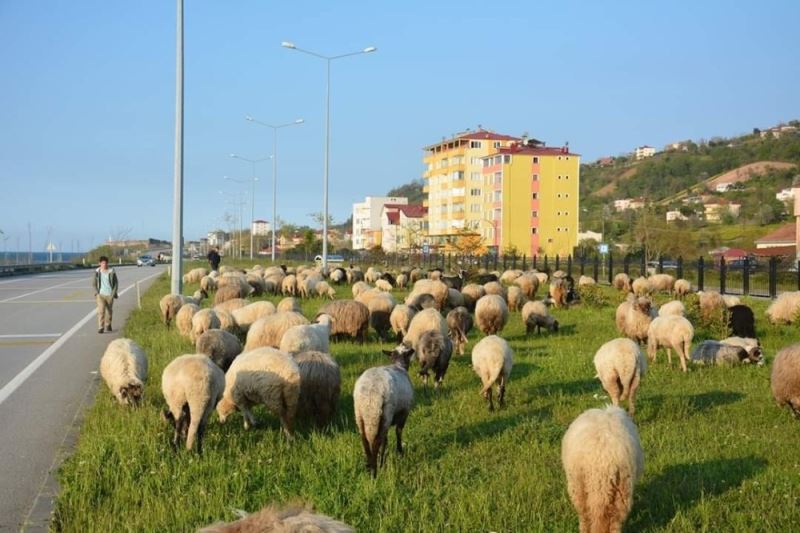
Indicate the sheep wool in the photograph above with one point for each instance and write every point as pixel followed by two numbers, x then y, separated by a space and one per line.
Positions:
pixel 662 282
pixel 219 345
pixel 400 319
pixel 633 318
pixel 434 353
pixel 169 305
pixel 670 332
pixel 785 378
pixel 491 314
pixel 325 291
pixel 247 315
pixel 492 360
pixel 682 287
pixel 620 367
pixel 622 282
pixel 289 304
pixel 425 320
pixel 529 284
pixel 320 386
pixel 202 321
pixel 231 305
pixel 269 330
pixel 304 338
pixel 124 369
pixel 750 344
pixel 380 311
pixel 516 299
pixel 785 309
pixel 641 287
pixel 472 292
pixel 349 319
pixel 183 319
pixel 292 519
pixel 459 324
pixel 675 308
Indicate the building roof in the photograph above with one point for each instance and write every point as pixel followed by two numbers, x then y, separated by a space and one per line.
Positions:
pixel 776 251
pixel 786 233
pixel 260 222
pixel 409 210
pixel 479 134
pixel 534 150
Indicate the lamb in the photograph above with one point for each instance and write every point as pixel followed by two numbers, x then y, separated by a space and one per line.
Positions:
pixel 380 311
pixel 491 314
pixel 714 352
pixel 247 315
pixel 682 287
pixel 558 292
pixel 268 331
pixel 202 321
pixel 289 285
pixel 536 315
pixel 529 284
pixel 320 385
pixel 675 308
pixel 124 369
pixel 585 281
pixel 742 321
pixel 603 460
pixel 192 385
pixel 311 337
pixel 349 318
pixel 221 346
pixel 289 304
pixel 183 319
pixel 711 305
pixel 325 291
pixel 516 299
pixel 383 285
pixel 459 324
pixel 291 519
pixel 785 378
pixel 633 318
pixel 231 305
pixel 622 282
pixel 492 360
pixel 751 345
pixel 670 332
pixel 400 318
pixel 662 282
pixel 785 309
pixel 434 354
pixel 208 284
pixel 425 320
pixel 359 287
pixel 382 397
pixel 620 366
pixel 262 376
pixel 472 292
pixel 641 287
pixel 169 305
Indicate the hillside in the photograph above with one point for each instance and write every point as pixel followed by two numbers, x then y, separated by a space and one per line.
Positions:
pixel 411 190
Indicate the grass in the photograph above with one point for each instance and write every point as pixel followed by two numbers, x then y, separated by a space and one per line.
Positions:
pixel 719 455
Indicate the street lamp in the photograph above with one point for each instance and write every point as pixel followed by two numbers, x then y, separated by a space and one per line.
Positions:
pixel 328 60
pixel 275 129
pixel 254 179
pixel 239 204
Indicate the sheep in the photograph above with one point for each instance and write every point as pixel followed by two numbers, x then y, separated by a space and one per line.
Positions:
pixel 459 324
pixel 320 385
pixel 731 300
pixel 558 292
pixel 435 274
pixel 536 315
pixel 662 282
pixel 247 315
pixel 365 296
pixel 196 298
pixel 785 378
pixel 425 320
pixel 492 360
pixel 208 284
pixel 529 284
pixel 308 286
pixel 226 292
pixel 192 385
pixel 454 299
pixel 399 319
pixel 603 460
pixel 124 369
pixel 711 305
pixel 202 321
pixel 633 318
pixel 226 321
pixel 293 518
pixel 221 346
pixel 620 366
pixel 542 277
pixel 516 299
pixel 785 309
pixel 257 283
pixel 231 305
pixel 641 286
pixel 183 319
pixel 289 285
pixel 169 305
pixel 289 304
pixel 675 308
pixel 415 275
pixel 585 281
pixel 742 321
pixel 401 281
pixel 714 352
pixel 304 338
pixel 382 397
pixel 670 332
pixel 372 275
pixel 194 275
pixel 682 287
pixel 262 376
pixel 509 276
pixel 354 275
pixel 359 287
pixel 472 292
pixel 237 281
pixel 494 287
pixel 269 330
pixel 421 301
pixel 380 311
pixel 491 314
pixel 434 353
pixel 349 318
pixel 435 288
pixel 338 276
pixel 559 274
pixel 750 344
pixel 325 291
pixel 622 282
pixel 383 285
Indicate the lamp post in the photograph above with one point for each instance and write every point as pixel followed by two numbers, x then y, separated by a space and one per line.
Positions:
pixel 254 179
pixel 176 284
pixel 328 60
pixel 239 205
pixel 275 129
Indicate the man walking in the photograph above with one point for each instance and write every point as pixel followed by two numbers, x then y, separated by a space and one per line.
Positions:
pixel 105 291
pixel 213 258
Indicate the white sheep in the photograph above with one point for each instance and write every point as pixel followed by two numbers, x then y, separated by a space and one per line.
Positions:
pixel 289 304
pixel 400 319
pixel 292 519
pixel 324 290
pixel 183 319
pixel 202 321
pixel 682 287
pixel 169 305
pixel 662 282
pixel 670 332
pixel 380 312
pixel 515 298
pixel 785 378
pixel 620 367
pixel 622 282
pixel 785 309
pixel 305 338
pixel 603 460
pixel 491 314
pixel 675 308
pixel 289 285
pixel 192 385
pixel 269 330
pixel 383 285
pixel 633 318
pixel 221 346
pixel 641 287
pixel 247 315
pixel 124 369
pixel 492 360
pixel 585 281
pixel 232 305
pixel 425 320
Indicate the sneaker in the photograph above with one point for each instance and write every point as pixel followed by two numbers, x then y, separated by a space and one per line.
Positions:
pixel 108 329
pixel 101 330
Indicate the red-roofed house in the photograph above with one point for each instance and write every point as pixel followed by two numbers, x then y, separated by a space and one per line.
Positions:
pixel 786 235
pixel 403 226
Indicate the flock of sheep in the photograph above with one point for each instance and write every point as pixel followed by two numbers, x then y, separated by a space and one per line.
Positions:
pixel 252 353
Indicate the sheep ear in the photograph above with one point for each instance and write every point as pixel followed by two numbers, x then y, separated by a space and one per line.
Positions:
pixel 388 353
pixel 123 392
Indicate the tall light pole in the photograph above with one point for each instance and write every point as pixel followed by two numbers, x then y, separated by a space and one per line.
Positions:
pixel 328 60
pixel 253 200
pixel 275 129
pixel 177 207
pixel 238 204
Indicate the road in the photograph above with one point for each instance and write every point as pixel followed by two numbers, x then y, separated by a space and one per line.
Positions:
pixel 49 355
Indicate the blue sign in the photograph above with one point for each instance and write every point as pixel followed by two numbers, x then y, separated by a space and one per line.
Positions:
pixel 603 249
pixel 426 248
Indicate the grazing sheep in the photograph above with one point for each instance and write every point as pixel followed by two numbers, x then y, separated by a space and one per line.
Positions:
pixel 558 291
pixel 289 285
pixel 682 287
pixel 262 376
pixel 730 300
pixel 289 304
pixel 622 282
pixel 354 275
pixel 247 315
pixel 459 324
pixel 662 282
pixel 169 305
pixel 124 369
pixel 226 292
pixel 509 276
pixel 380 312
pixel 308 286
pixel 320 385
pixel 750 344
pixel 306 338
pixel 494 287
pixel 365 296
pixel 492 359
pixel 711 305
pixel 435 288
pixel 516 299
pixel 585 281
pixel 633 318
pixel 425 320
pixel 325 291
pixel 603 460
pixel 670 332
pixel 226 321
pixel 269 330
pixel 383 285
pixel 714 352
pixel 536 315
pixel 183 319
pixel 491 314
pixel 400 319
pixel 529 284
pixel 208 284
pixel 472 292
pixel 415 275
pixel 641 287
pixel 290 519
pixel 742 321
pixel 192 385
pixel 675 308
pixel 785 309
pixel 401 281
pixel 338 276
pixel 421 301
pixel 257 283
pixel 542 277
pixel 620 366
pixel 194 275
pixel 372 275
pixel 349 319
pixel 785 379
pixel 434 354
pixel 359 287
pixel 202 321
pixel 221 346
pixel 454 299
pixel 231 305
pixel 382 398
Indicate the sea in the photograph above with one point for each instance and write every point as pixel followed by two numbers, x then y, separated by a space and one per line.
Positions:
pixel 23 258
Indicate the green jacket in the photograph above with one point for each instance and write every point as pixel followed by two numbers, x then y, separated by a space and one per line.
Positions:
pixel 112 277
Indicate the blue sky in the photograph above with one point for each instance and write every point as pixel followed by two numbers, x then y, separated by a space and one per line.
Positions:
pixel 88 91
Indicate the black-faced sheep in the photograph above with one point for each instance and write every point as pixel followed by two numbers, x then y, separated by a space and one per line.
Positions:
pixel 221 346
pixel 620 367
pixel 269 330
pixel 434 351
pixel 603 460
pixel 124 369
pixel 382 397
pixel 742 321
pixel 425 320
pixel 535 315
pixel 785 379
pixel 492 360
pixel 670 332
pixel 320 385
pixel 349 319
pixel 491 314
pixel 291 519
pixel 459 324
pixel 472 292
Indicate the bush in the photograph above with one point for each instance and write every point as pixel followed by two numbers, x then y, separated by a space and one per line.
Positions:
pixel 594 296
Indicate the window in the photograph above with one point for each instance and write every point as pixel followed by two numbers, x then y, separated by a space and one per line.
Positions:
pixel 497 214
pixel 443 163
pixel 533 231
pixel 496 144
pixel 559 158
pixel 506 159
pixel 558 213
pixel 475 208
pixel 535 195
pixel 559 195
pixel 535 177
pixel 498 196
pixel 474 192
pixel 498 178
pixel 534 214
pixel 559 176
pixel 474 160
pixel 474 144
pixel 549 240
pixel 567 176
pixel 475 176
pixel 566 195
pixel 566 213
pixel 535 160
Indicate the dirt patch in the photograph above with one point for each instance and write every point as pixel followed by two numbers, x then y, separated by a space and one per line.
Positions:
pixel 611 186
pixel 745 172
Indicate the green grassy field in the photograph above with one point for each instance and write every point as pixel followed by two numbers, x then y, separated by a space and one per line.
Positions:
pixel 719 455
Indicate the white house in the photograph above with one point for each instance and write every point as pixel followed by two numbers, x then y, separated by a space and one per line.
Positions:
pixel 724 186
pixel 403 226
pixel 642 152
pixel 785 195
pixel 593 235
pixel 216 238
pixel 261 227
pixel 628 203
pixel 675 215
pixel 367 220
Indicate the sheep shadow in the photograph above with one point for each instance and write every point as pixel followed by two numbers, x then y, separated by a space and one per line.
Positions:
pixel 679 487
pixel 522 370
pixel 567 388
pixel 662 405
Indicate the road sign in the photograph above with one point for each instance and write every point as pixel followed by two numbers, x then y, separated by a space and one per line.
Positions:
pixel 604 249
pixel 426 248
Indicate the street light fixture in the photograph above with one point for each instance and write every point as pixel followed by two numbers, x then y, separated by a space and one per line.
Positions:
pixel 254 179
pixel 275 129
pixel 328 59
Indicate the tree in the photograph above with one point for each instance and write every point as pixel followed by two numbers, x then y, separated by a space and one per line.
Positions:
pixel 468 242
pixel 318 218
pixel 309 240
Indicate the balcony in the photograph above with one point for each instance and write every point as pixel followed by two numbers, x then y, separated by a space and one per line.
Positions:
pixel 426 189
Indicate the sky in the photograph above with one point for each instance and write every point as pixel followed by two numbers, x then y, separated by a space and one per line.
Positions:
pixel 87 98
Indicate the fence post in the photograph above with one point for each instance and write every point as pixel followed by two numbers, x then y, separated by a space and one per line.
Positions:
pixel 798 275
pixel 643 267
pixel 583 266
pixel 660 264
pixel 450 262
pixel 546 268
pixel 495 261
pixel 773 277
pixel 723 274
pixel 536 257
pixel 626 264
pixel 679 270
pixel 746 277
pixel 596 269
pixel 524 263
pixel 610 268
pixel 138 295
pixel 558 262
pixel 569 265
pixel 514 261
pixel 700 274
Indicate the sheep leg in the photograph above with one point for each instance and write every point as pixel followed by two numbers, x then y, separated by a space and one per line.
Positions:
pixel 383 440
pixel 669 356
pixel 501 391
pixel 684 354
pixel 632 393
pixel 615 391
pixel 401 422
pixel 487 393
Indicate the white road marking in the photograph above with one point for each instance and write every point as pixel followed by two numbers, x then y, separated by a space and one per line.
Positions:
pixel 39 291
pixel 26 372
pixel 50 302
pixel 30 335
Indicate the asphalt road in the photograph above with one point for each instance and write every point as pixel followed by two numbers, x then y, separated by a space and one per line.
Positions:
pixel 49 356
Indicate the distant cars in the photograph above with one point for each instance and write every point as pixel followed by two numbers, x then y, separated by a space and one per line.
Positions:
pixel 145 260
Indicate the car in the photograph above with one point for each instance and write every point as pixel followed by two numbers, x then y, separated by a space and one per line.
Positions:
pixel 145 260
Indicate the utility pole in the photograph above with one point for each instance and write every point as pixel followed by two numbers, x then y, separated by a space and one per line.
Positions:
pixel 177 208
